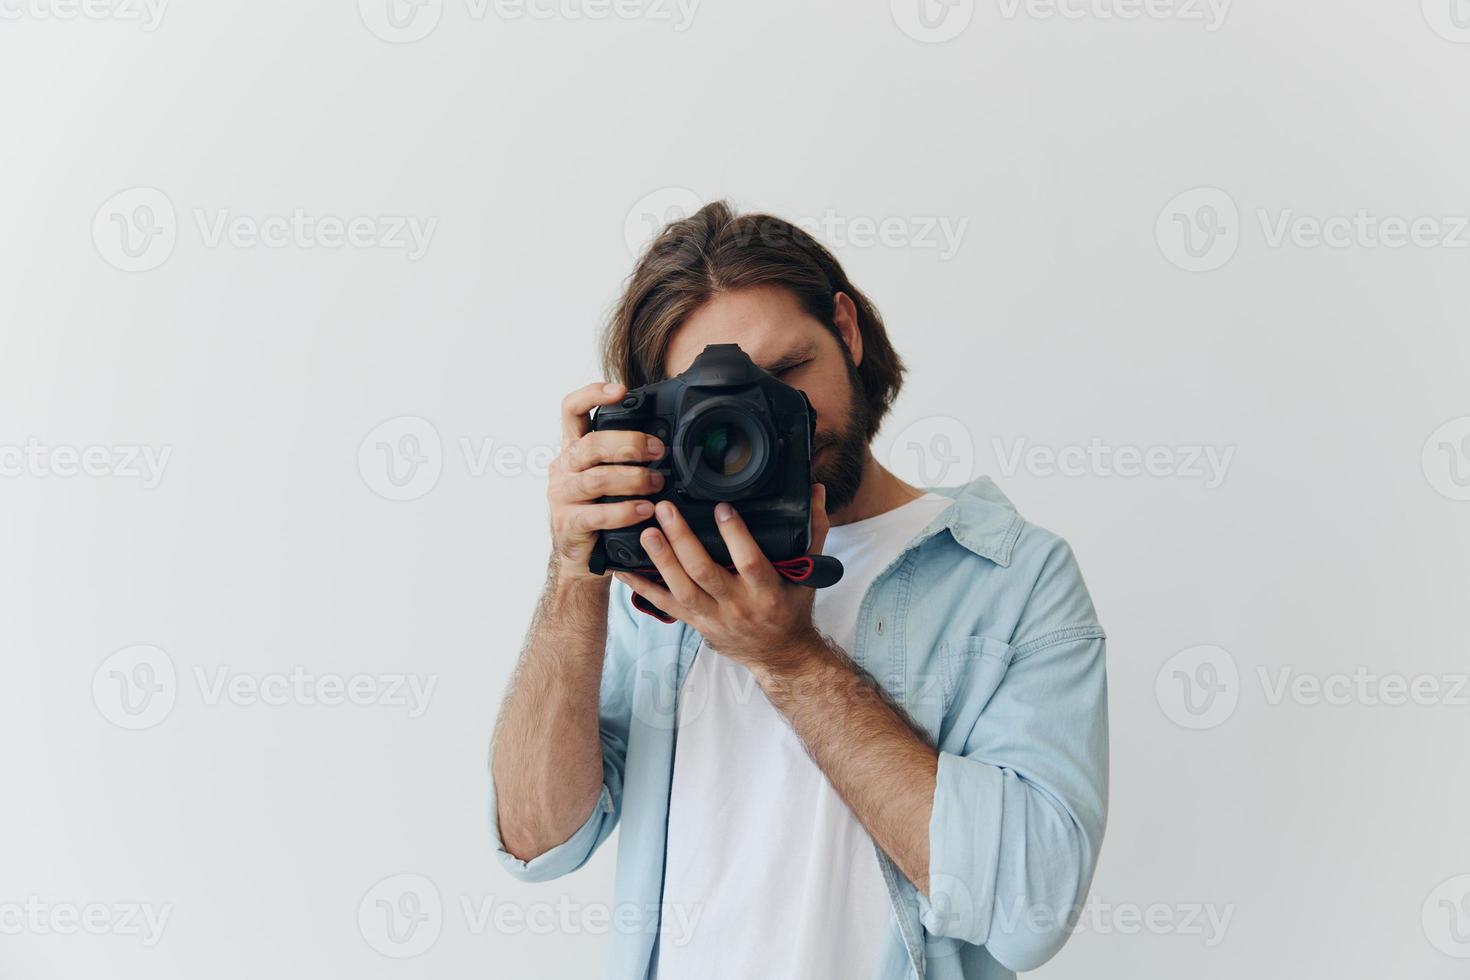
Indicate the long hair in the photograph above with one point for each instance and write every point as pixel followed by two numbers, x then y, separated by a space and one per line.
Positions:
pixel 715 250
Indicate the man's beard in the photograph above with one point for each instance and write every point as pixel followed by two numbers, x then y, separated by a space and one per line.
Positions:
pixel 843 473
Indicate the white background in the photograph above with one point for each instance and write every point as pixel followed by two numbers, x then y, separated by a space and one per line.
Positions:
pixel 1331 834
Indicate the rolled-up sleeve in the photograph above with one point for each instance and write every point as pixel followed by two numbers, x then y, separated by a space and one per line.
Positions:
pixel 1019 813
pixel 567 856
pixel 614 714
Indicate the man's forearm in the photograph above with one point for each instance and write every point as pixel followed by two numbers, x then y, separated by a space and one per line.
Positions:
pixel 881 767
pixel 548 754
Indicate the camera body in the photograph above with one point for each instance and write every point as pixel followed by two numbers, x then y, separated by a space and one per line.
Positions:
pixel 731 432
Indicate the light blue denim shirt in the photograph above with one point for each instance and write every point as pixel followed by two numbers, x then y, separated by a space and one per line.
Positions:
pixel 982 629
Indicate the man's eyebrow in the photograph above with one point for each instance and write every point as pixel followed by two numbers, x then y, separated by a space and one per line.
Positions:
pixel 790 359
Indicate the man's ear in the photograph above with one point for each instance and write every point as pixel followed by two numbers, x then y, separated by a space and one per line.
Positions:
pixel 844 317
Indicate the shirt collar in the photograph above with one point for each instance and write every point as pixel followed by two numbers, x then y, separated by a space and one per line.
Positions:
pixel 982 519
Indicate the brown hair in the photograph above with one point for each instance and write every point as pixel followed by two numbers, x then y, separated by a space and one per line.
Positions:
pixel 715 250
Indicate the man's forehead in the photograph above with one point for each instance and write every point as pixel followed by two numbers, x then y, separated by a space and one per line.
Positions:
pixel 769 337
pixel 766 321
pixel 775 351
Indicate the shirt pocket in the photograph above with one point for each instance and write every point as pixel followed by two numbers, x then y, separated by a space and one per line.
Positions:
pixel 973 667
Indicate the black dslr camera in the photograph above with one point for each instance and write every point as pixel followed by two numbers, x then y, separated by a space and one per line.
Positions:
pixel 732 432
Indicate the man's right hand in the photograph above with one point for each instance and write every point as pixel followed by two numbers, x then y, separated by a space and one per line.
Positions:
pixel 611 463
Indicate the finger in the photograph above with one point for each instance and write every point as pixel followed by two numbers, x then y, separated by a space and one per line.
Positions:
pixel 605 517
pixel 606 481
pixel 609 446
pixel 676 580
pixel 575 406
pixel 656 594
pixel 750 562
pixel 820 522
pixel 714 580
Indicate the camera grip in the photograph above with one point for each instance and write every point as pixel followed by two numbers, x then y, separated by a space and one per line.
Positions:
pixel 812 571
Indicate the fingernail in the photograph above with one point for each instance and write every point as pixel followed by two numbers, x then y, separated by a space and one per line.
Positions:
pixel 653 543
pixel 657 480
pixel 723 512
pixel 666 512
pixel 655 448
pixel 643 509
pixel 611 389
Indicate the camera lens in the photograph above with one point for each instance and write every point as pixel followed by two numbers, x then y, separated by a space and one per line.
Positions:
pixel 724 449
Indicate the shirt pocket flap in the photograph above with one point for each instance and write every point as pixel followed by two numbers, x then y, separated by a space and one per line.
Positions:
pixel 973 669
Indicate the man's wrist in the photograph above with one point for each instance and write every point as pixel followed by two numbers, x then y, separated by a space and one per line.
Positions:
pixel 817 669
pixel 575 588
pixel 573 575
pixel 805 662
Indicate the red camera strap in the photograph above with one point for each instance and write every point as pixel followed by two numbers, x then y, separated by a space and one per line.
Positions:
pixel 798 570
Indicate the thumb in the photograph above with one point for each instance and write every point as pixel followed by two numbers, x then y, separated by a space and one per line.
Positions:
pixel 820 522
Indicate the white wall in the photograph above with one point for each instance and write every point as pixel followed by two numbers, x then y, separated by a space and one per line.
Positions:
pixel 1325 836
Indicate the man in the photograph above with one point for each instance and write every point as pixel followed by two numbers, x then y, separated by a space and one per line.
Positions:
pixel 904 775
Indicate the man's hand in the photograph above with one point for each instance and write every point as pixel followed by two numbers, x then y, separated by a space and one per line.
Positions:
pixel 880 765
pixel 612 463
pixel 751 615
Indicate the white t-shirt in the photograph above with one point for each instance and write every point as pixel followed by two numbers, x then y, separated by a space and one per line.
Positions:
pixel 777 875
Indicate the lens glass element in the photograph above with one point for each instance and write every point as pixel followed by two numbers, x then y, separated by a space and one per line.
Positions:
pixel 724 449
